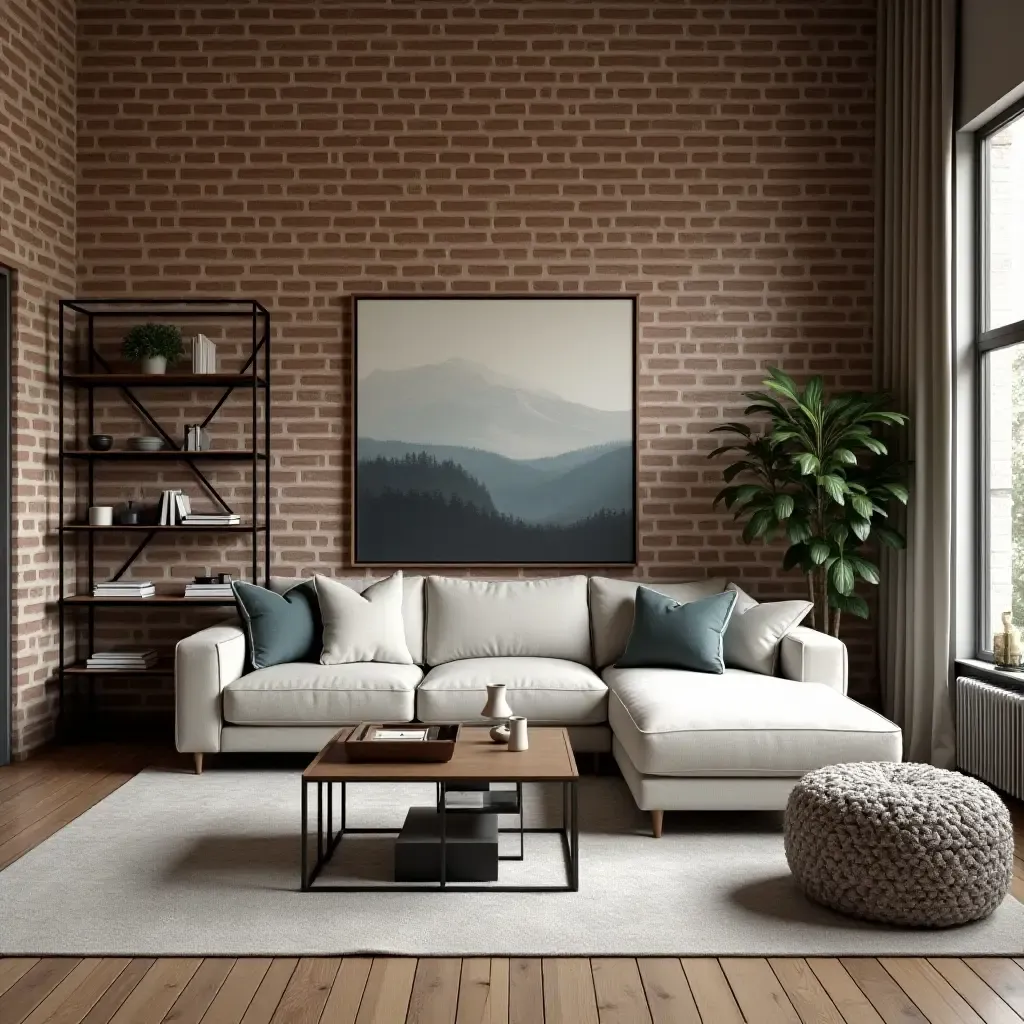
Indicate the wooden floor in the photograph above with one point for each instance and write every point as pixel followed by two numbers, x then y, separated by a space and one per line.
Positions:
pixel 40 796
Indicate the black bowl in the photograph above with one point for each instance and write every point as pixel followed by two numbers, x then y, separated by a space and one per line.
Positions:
pixel 101 442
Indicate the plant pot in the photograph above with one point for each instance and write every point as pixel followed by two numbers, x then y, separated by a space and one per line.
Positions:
pixel 154 364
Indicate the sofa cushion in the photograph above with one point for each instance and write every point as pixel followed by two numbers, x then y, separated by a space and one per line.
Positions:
pixel 544 690
pixel 756 630
pixel 740 724
pixel 412 603
pixel 667 634
pixel 509 619
pixel 362 627
pixel 299 694
pixel 611 609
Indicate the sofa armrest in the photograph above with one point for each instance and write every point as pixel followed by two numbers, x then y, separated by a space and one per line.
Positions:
pixel 812 657
pixel 204 663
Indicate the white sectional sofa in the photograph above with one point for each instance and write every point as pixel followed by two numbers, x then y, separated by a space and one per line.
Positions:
pixel 683 740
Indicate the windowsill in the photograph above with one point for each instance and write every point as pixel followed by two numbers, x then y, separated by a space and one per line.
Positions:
pixel 988 672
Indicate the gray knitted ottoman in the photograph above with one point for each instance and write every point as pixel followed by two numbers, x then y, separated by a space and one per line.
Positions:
pixel 907 844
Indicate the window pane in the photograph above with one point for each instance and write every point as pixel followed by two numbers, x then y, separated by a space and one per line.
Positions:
pixel 1005 382
pixel 1005 225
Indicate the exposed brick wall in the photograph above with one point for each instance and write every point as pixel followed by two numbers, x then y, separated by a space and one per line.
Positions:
pixel 37 241
pixel 715 157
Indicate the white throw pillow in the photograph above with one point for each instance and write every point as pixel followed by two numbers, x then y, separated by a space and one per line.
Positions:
pixel 362 627
pixel 755 631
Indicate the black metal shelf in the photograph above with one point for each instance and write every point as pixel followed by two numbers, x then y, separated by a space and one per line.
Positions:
pixel 158 600
pixel 83 370
pixel 167 454
pixel 147 528
pixel 163 380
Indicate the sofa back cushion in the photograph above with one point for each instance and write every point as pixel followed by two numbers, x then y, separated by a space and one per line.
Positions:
pixel 507 619
pixel 611 609
pixel 412 603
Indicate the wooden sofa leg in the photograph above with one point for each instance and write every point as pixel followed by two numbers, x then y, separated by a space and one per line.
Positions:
pixel 657 817
pixel 199 763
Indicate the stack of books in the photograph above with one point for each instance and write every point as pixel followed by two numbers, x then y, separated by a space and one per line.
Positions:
pixel 204 355
pixel 208 590
pixel 212 519
pixel 174 506
pixel 123 659
pixel 124 588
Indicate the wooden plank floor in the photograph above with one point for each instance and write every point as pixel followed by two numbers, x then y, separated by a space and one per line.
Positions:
pixel 40 796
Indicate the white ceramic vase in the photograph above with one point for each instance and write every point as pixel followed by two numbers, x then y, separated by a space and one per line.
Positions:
pixel 497 705
pixel 154 364
pixel 518 738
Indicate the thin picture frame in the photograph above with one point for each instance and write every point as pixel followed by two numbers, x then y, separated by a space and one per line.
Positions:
pixel 634 319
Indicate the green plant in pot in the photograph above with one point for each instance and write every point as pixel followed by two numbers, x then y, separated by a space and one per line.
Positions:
pixel 820 475
pixel 153 346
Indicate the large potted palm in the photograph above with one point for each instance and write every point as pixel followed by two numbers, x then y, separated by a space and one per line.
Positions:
pixel 819 475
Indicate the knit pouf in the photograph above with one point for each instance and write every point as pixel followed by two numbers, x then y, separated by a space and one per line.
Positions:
pixel 907 844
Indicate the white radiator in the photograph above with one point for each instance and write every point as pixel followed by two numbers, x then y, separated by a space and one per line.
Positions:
pixel 990 734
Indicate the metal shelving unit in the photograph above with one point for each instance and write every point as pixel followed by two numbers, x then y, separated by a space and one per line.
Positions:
pixel 87 372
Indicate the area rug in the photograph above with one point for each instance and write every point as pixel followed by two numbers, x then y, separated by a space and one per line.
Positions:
pixel 174 864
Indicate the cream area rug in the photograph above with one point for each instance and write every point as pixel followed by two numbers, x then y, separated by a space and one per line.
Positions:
pixel 174 864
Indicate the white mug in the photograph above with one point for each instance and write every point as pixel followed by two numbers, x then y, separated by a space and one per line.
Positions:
pixel 101 515
pixel 518 740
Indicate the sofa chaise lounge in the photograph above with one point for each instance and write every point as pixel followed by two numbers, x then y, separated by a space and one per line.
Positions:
pixel 683 740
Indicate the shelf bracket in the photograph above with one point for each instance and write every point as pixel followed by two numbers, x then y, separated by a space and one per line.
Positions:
pixel 131 558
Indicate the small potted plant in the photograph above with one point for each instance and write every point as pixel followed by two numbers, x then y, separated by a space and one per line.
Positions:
pixel 154 346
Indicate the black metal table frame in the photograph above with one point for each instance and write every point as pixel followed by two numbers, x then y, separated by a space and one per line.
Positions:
pixel 328 840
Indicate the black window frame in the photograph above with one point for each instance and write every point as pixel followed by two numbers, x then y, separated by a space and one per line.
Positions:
pixel 986 341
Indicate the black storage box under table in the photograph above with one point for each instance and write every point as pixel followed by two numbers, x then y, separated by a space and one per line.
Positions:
pixel 471 847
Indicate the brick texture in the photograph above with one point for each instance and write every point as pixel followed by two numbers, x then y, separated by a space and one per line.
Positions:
pixel 37 242
pixel 714 157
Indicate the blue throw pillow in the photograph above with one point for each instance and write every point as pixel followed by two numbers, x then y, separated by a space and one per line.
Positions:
pixel 667 634
pixel 280 628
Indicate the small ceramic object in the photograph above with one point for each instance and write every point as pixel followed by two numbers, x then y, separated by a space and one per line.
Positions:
pixel 101 515
pixel 154 364
pixel 500 734
pixel 518 738
pixel 129 515
pixel 497 705
pixel 146 444
pixel 101 442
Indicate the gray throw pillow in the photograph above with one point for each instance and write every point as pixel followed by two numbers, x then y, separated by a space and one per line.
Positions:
pixel 667 634
pixel 756 630
pixel 279 628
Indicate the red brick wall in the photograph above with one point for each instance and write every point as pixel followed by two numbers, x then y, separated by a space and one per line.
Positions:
pixel 715 157
pixel 37 241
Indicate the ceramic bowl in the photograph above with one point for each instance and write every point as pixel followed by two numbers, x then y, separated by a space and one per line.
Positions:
pixel 146 444
pixel 101 442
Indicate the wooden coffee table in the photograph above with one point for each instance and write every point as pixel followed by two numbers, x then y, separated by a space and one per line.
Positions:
pixel 476 760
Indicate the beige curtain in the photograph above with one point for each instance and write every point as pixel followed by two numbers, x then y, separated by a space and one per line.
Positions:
pixel 913 324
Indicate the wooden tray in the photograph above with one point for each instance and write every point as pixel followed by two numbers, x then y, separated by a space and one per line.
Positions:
pixel 438 747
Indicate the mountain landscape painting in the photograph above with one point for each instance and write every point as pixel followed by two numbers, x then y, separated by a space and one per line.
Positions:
pixel 494 431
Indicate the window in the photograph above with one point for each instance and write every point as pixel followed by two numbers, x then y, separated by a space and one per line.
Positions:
pixel 1001 348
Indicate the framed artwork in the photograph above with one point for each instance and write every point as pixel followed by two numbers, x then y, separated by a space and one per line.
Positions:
pixel 496 430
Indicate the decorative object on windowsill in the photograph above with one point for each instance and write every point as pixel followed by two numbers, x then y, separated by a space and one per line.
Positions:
pixel 128 515
pixel 825 490
pixel 497 707
pixel 101 442
pixel 101 515
pixel 1006 652
pixel 518 738
pixel 197 438
pixel 145 444
pixel 153 346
